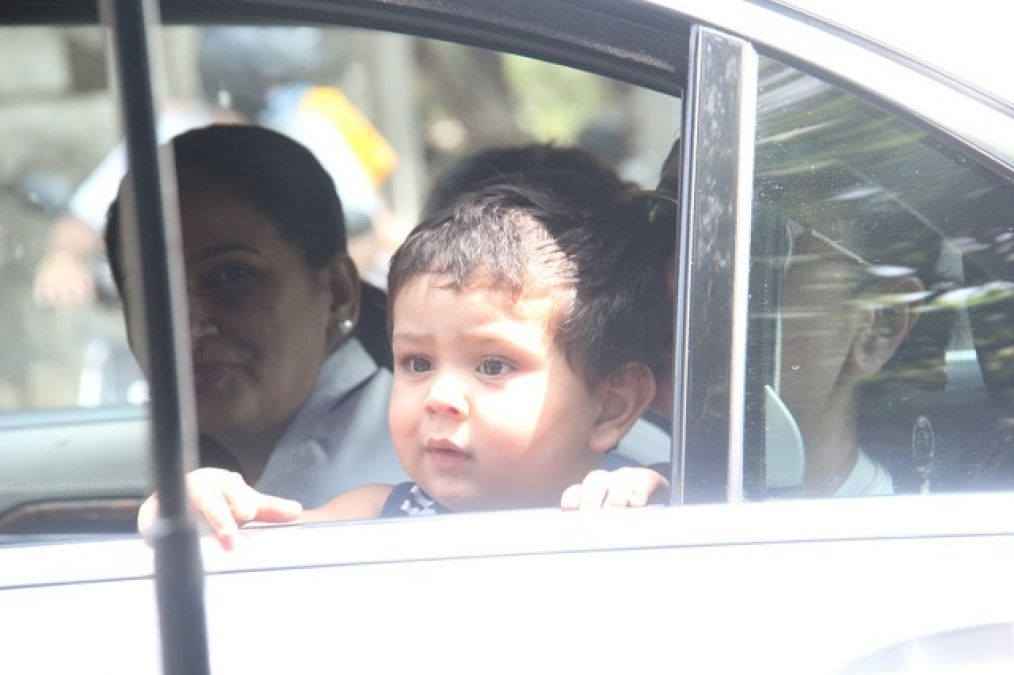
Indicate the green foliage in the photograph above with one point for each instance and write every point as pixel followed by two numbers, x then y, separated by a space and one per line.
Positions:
pixel 554 103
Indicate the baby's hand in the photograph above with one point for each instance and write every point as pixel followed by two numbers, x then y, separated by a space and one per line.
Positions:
pixel 226 502
pixel 626 487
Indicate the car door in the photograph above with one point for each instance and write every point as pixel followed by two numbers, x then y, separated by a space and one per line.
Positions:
pixel 760 576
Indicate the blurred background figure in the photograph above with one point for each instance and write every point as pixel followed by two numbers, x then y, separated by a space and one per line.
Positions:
pixel 263 75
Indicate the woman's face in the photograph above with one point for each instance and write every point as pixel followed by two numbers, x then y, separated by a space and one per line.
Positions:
pixel 819 324
pixel 262 321
pixel 822 315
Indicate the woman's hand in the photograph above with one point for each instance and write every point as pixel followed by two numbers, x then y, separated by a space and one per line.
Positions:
pixel 622 488
pixel 225 502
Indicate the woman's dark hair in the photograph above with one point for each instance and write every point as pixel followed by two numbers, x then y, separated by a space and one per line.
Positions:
pixel 273 173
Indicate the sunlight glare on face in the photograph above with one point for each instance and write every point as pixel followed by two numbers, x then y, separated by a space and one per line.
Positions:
pixel 486 411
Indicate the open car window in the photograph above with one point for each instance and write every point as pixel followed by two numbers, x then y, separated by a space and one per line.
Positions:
pixel 385 113
pixel 409 108
pixel 72 427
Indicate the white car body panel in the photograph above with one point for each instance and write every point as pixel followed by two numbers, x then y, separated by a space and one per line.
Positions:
pixel 740 588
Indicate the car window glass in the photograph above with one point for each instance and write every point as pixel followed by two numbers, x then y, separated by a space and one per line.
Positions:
pixel 881 278
pixel 64 344
pixel 71 427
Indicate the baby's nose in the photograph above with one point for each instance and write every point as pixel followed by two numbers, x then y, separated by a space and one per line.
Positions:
pixel 448 397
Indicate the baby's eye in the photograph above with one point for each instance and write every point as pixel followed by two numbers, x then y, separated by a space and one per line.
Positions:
pixel 494 367
pixel 416 364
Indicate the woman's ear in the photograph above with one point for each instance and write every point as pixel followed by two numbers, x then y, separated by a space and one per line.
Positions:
pixel 623 396
pixel 342 280
pixel 887 326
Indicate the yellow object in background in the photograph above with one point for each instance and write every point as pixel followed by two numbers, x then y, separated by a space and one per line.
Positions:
pixel 374 152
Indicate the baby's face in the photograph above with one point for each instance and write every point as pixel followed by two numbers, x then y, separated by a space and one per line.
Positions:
pixel 485 410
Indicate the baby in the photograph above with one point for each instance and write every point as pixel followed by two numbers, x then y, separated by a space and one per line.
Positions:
pixel 523 342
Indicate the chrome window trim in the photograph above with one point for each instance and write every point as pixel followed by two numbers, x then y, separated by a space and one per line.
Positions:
pixel 929 101
pixel 713 280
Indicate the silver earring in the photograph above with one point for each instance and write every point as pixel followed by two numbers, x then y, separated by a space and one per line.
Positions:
pixel 345 326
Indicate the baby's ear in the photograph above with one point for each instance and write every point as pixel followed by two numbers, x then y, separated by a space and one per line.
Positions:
pixel 622 396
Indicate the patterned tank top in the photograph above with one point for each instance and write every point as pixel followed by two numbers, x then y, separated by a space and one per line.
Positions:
pixel 408 500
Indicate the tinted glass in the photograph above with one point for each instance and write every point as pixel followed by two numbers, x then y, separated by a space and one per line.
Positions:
pixel 881 284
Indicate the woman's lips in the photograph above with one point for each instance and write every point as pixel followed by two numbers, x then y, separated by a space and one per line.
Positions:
pixel 214 375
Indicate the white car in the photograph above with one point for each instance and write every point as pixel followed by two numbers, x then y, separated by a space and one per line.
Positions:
pixel 842 454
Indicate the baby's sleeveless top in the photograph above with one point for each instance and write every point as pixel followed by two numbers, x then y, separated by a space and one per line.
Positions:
pixel 408 500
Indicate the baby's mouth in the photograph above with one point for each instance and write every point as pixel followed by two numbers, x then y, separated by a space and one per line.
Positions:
pixel 445 454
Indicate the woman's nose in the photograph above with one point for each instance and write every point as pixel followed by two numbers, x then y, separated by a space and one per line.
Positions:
pixel 202 323
pixel 447 397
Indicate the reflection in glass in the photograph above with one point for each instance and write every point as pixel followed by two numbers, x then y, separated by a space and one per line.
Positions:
pixel 879 263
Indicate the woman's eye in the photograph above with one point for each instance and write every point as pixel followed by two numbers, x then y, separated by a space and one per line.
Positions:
pixel 494 367
pixel 416 364
pixel 232 274
pixel 224 278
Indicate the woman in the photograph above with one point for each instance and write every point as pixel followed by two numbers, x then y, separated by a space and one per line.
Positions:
pixel 286 395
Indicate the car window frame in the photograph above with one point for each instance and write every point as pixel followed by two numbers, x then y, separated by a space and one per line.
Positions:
pixel 712 291
pixel 429 19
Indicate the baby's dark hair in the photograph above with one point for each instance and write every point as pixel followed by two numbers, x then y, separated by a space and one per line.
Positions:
pixel 561 234
pixel 273 173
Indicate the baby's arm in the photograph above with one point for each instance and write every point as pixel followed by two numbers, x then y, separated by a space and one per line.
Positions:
pixel 365 501
pixel 627 487
pixel 226 502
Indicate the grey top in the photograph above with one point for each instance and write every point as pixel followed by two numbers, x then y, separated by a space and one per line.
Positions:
pixel 339 439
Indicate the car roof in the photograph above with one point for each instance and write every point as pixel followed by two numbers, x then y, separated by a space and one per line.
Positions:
pixel 969 42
